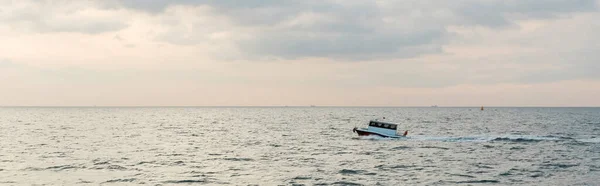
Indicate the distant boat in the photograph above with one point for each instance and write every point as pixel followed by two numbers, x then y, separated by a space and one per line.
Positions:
pixel 381 129
pixel 482 108
pixel 434 106
pixel 312 106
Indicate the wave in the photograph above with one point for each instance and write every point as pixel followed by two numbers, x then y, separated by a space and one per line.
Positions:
pixel 239 159
pixel 589 140
pixel 302 178
pixel 187 181
pixel 477 181
pixel 348 171
pixel 488 138
pixel 517 139
pixel 121 180
pixel 499 138
pixel 345 183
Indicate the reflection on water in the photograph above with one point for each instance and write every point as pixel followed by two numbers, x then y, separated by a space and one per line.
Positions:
pixel 312 146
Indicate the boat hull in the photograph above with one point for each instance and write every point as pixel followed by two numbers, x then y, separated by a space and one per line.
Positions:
pixel 364 132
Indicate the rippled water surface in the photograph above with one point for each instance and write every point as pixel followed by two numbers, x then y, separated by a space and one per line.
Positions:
pixel 302 146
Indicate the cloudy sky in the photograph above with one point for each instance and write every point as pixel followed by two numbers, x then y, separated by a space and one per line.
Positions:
pixel 299 52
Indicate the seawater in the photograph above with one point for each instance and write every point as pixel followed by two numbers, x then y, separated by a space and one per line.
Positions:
pixel 298 146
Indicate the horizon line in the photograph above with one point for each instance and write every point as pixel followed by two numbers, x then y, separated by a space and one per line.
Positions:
pixel 275 106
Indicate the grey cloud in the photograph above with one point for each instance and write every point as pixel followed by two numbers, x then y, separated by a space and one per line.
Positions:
pixel 357 30
pixel 506 12
pixel 345 45
pixel 492 12
pixel 50 16
pixel 578 64
pixel 91 27
pixel 156 6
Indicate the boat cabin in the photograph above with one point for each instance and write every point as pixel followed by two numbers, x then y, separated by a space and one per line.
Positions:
pixel 383 127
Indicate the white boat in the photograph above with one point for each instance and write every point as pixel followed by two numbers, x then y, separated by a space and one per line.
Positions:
pixel 381 129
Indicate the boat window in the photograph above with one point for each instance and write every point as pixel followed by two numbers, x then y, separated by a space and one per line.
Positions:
pixel 372 123
pixel 386 126
pixel 393 127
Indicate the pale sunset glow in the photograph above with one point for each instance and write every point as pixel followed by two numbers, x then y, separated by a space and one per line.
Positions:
pixel 299 53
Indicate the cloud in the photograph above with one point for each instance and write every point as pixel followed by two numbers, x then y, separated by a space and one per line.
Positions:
pixel 157 6
pixel 61 16
pixel 292 29
pixel 504 13
pixel 346 30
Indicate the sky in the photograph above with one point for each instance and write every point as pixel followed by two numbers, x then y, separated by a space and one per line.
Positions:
pixel 299 52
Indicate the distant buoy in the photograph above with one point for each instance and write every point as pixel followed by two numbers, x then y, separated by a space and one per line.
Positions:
pixel 405 133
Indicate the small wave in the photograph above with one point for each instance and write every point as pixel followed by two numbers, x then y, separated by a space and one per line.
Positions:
pixel 302 178
pixel 589 140
pixel 459 139
pixel 558 137
pixel 32 169
pixel 348 171
pixel 109 167
pixel 434 147
pixel 462 175
pixel 500 138
pixel 84 182
pixel 121 180
pixel 517 148
pixel 483 166
pixel 521 172
pixel 536 175
pixel 186 181
pixel 239 159
pixel 526 138
pixel 61 167
pixel 345 183
pixel 343 152
pixel 401 148
pixel 594 168
pixel 193 172
pixel 274 145
pixel 386 167
pixel 478 181
pixel 448 139
pixel 146 162
pixel 402 166
pixel 175 154
pixel 116 167
pixel 178 163
pixel 101 163
pixel 369 153
pixel 559 165
pixel 516 139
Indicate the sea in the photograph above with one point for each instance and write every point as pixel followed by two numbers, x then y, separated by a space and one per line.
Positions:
pixel 298 146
